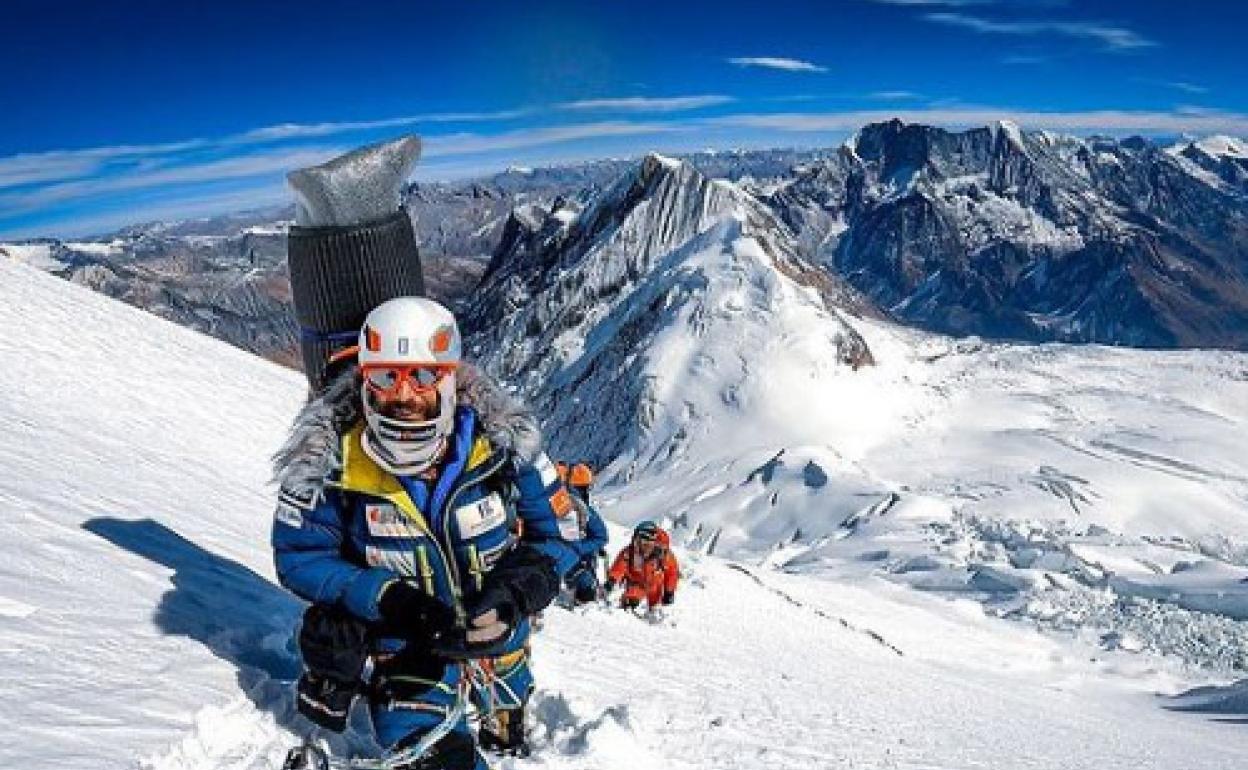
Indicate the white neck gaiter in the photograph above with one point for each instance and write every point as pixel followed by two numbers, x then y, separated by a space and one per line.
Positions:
pixel 409 447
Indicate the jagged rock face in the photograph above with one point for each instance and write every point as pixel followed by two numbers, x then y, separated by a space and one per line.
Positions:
pixel 1034 236
pixel 458 220
pixel 646 214
pixel 469 218
pixel 1225 157
pixel 249 310
pixel 585 308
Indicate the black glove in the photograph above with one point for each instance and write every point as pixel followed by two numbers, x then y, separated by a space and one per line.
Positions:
pixel 609 586
pixel 669 597
pixel 333 644
pixel 523 582
pixel 409 613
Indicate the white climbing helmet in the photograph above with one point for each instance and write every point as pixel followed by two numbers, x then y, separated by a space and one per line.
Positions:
pixel 416 339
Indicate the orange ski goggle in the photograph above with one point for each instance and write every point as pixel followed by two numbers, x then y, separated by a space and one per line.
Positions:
pixel 386 379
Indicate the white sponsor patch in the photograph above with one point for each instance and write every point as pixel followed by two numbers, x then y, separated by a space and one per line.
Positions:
pixel 401 562
pixel 385 520
pixel 546 469
pixel 289 515
pixel 569 529
pixel 480 517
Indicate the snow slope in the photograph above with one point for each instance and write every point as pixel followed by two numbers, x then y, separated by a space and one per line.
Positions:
pixel 134 524
pixel 139 624
pixel 1085 489
pixel 38 254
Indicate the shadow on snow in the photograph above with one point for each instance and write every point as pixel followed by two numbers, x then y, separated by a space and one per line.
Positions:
pixel 1226 703
pixel 238 615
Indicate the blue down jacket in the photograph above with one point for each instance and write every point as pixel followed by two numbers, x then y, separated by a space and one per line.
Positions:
pixel 345 528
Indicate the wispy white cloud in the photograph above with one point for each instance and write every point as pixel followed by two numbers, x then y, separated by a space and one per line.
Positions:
pixel 1198 110
pixel 1190 88
pixel 801 97
pixel 35 167
pixel 893 96
pixel 469 143
pixel 64 165
pixel 256 195
pixel 262 164
pixel 648 104
pixel 284 131
pixel 1111 37
pixel 777 63
pixel 20 170
pixel 1181 85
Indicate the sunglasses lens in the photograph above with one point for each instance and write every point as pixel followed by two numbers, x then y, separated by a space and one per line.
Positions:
pixel 385 378
pixel 382 378
pixel 426 378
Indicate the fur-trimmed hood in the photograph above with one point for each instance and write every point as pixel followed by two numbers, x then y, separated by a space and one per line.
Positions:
pixel 313 451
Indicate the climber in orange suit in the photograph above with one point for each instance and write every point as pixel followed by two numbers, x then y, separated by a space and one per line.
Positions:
pixel 645 568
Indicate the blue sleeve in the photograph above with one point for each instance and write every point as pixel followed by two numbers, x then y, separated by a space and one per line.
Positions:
pixel 307 552
pixel 595 534
pixel 540 500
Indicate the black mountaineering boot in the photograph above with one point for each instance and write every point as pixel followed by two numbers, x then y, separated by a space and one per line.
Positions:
pixel 505 734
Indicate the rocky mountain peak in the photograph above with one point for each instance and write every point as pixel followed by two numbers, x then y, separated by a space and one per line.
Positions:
pixel 1035 235
pixel 580 303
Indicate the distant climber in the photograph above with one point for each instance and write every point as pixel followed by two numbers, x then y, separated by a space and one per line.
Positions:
pixel 590 542
pixel 645 568
pixel 580 479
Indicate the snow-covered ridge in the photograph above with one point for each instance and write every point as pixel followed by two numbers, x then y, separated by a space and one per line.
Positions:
pixel 1217 146
pixel 35 254
pixel 667 277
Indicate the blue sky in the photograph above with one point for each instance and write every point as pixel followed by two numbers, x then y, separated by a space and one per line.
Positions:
pixel 127 111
